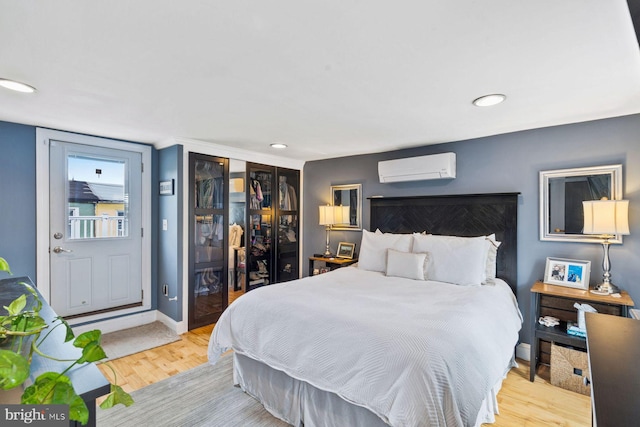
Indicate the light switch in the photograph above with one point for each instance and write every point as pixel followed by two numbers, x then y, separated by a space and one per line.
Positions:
pixel 165 225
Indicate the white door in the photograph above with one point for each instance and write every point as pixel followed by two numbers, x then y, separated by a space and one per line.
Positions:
pixel 95 226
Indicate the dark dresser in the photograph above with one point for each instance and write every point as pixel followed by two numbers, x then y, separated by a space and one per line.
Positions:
pixel 613 344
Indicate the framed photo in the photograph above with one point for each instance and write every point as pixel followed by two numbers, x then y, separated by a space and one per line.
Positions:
pixel 346 250
pixel 166 187
pixel 567 272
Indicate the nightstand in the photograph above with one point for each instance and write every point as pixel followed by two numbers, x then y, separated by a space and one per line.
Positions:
pixel 331 263
pixel 557 301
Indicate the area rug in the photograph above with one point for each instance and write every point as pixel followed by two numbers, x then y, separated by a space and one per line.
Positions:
pixel 134 340
pixel 202 396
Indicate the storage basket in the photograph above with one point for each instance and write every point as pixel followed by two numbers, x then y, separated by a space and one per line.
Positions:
pixel 569 367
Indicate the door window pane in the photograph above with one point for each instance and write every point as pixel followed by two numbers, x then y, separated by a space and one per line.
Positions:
pixel 97 197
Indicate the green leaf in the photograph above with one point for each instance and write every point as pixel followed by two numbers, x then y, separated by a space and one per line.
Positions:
pixel 78 410
pixel 14 369
pixel 17 305
pixel 54 388
pixel 4 265
pixel 42 390
pixel 36 297
pixel 29 324
pixel 69 334
pixel 86 338
pixel 117 395
pixel 92 352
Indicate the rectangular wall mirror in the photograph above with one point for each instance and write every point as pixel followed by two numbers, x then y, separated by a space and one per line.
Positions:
pixel 562 193
pixel 348 195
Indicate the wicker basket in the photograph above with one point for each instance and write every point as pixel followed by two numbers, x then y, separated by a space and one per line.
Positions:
pixel 569 368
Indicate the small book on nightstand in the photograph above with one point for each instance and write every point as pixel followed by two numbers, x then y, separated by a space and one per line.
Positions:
pixel 573 329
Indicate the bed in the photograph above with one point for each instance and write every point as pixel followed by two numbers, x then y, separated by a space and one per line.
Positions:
pixel 404 338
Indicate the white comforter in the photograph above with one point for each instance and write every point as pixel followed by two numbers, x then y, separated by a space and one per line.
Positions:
pixel 415 353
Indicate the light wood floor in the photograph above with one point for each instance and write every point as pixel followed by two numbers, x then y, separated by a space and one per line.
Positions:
pixel 521 403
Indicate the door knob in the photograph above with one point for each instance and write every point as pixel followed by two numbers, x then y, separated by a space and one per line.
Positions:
pixel 58 250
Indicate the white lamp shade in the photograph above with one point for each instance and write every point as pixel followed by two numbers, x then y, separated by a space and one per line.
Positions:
pixel 327 216
pixel 606 217
pixel 330 215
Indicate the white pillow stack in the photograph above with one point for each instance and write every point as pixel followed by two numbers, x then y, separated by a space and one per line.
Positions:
pixel 463 261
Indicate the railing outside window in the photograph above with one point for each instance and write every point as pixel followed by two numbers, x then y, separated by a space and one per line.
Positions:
pixel 95 227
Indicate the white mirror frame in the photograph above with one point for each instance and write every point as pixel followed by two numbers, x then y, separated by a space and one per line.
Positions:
pixel 358 208
pixel 615 171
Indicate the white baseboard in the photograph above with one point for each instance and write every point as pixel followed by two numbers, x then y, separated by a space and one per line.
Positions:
pixel 523 351
pixel 118 323
pixel 131 321
pixel 178 327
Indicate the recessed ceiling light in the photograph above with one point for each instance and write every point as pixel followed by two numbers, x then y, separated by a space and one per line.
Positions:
pixel 17 86
pixel 489 100
pixel 278 145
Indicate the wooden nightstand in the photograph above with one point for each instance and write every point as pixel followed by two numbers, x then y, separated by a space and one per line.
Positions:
pixel 557 301
pixel 331 263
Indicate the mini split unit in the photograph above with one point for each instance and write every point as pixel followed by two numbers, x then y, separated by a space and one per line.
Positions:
pixel 436 166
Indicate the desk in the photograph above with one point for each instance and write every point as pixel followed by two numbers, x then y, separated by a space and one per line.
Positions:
pixel 88 381
pixel 613 344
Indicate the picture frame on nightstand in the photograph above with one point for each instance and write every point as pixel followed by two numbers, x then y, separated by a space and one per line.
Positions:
pixel 572 273
pixel 346 250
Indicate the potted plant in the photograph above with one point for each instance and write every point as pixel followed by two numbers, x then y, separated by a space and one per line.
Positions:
pixel 20 338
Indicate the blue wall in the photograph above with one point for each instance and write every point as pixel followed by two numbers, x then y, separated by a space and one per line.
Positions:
pixel 18 198
pixel 504 163
pixel 170 240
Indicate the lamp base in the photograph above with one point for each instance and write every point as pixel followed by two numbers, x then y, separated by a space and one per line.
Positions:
pixel 605 289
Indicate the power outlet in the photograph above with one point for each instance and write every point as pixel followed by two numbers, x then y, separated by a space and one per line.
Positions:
pixel 165 290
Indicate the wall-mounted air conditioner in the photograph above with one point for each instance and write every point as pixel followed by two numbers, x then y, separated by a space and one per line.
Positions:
pixel 436 166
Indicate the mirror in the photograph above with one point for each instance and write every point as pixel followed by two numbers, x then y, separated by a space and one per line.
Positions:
pixel 348 195
pixel 237 227
pixel 562 193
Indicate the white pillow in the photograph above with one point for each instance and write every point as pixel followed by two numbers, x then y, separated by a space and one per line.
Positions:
pixel 373 249
pixel 458 260
pixel 492 257
pixel 407 264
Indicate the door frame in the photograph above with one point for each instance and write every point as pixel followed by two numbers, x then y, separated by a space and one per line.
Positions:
pixel 43 283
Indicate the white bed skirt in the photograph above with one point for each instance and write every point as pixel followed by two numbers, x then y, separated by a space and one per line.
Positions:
pixel 301 404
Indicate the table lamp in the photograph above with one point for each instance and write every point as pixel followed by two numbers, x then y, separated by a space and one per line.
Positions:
pixel 332 215
pixel 606 218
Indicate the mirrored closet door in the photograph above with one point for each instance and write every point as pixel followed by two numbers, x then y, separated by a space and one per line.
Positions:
pixel 237 228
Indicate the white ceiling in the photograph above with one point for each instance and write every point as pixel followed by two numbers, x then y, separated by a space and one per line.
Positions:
pixel 329 78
